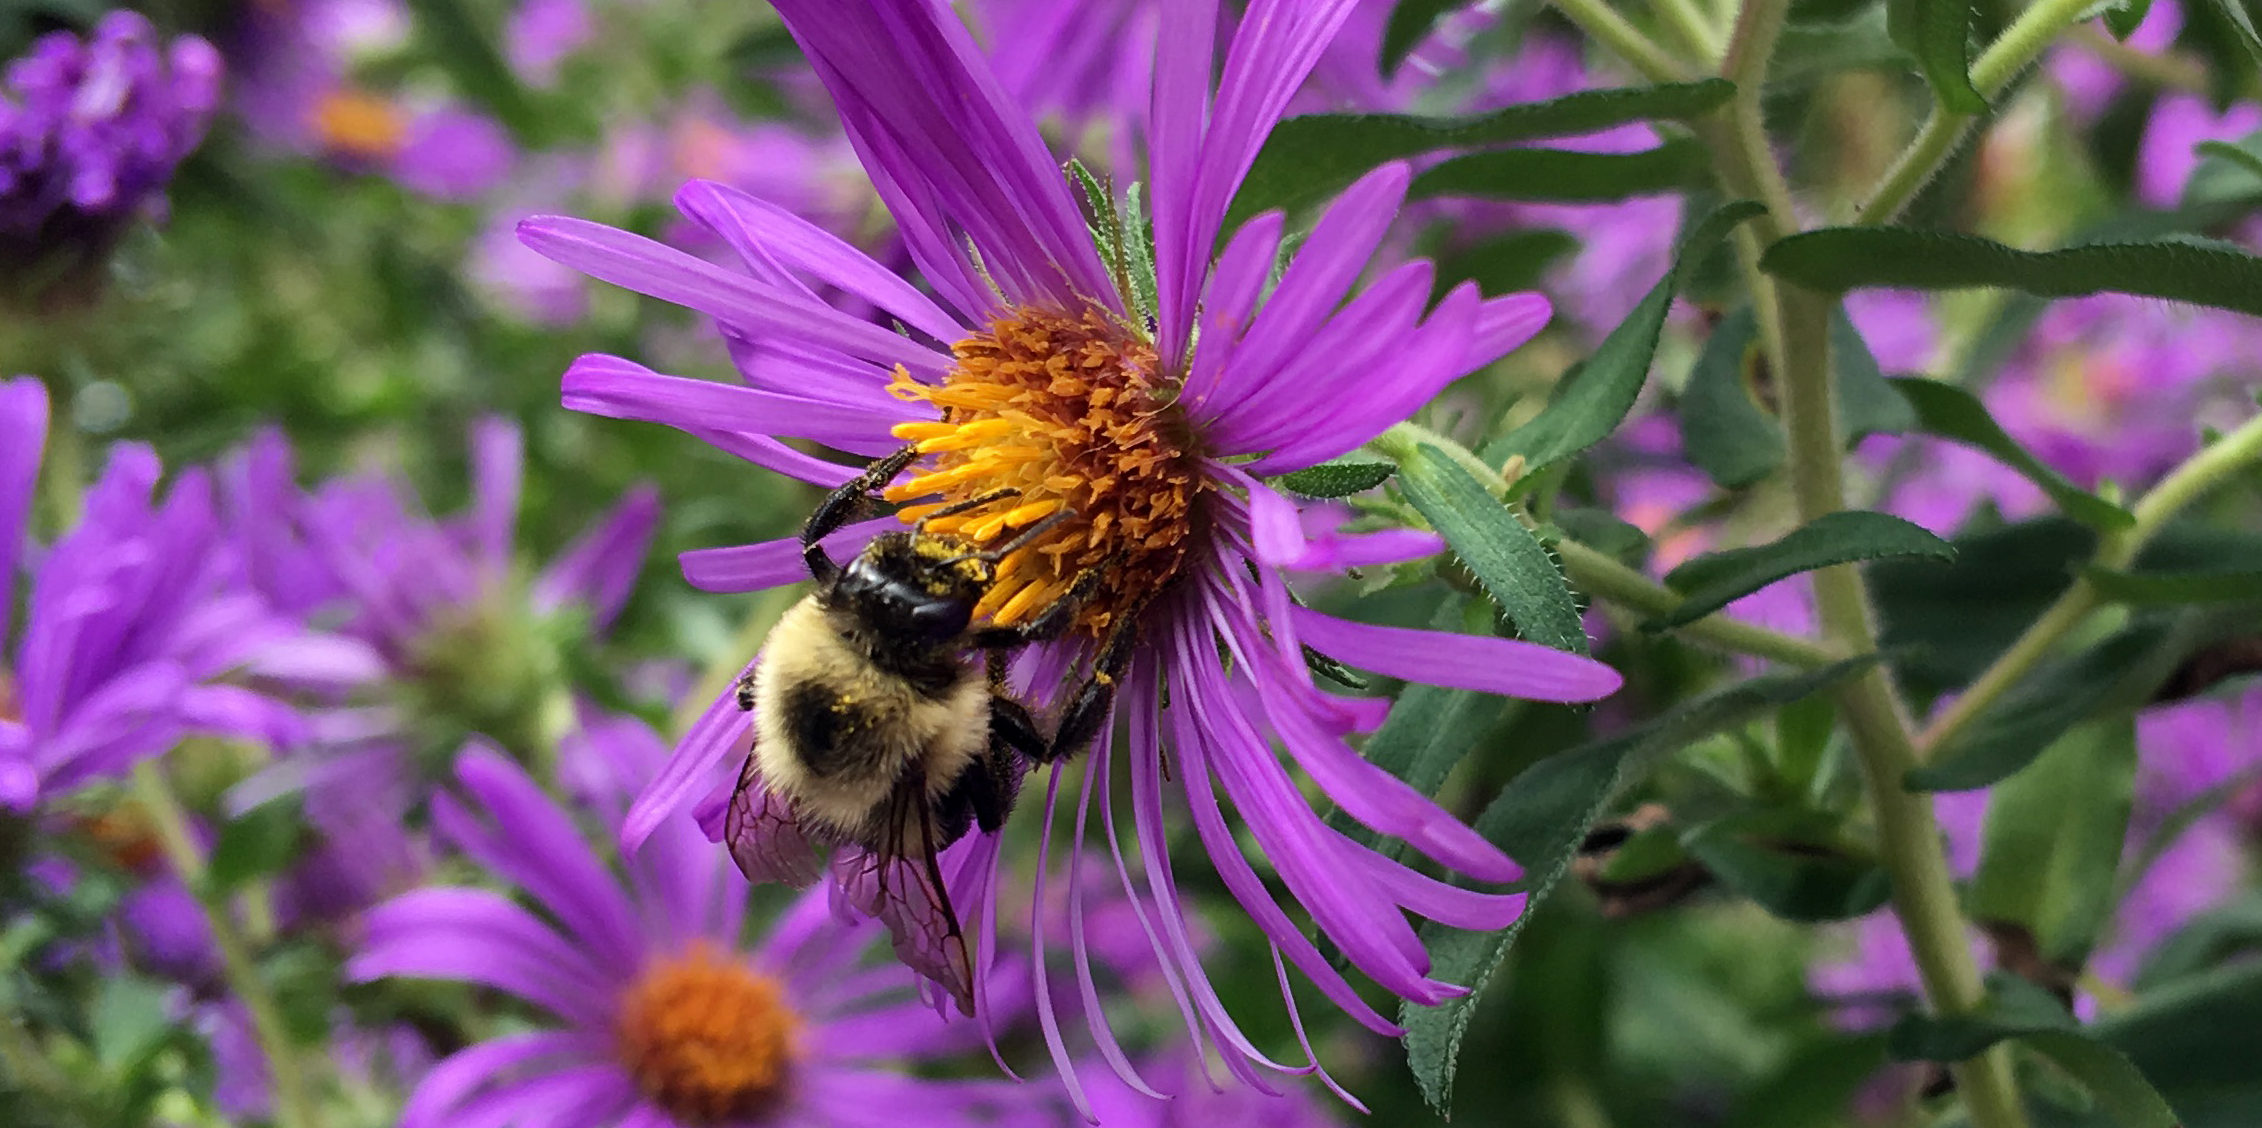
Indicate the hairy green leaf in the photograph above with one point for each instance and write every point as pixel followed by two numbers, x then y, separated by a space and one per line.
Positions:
pixel 1952 413
pixel 1938 33
pixel 1716 579
pixel 1410 23
pixel 2018 1009
pixel 1515 569
pixel 1846 258
pixel 1336 479
pixel 1757 857
pixel 1540 819
pixel 1309 159
pixel 1725 431
pixel 2154 589
pixel 1565 175
pixel 2122 19
pixel 2053 840
pixel 261 841
pixel 1591 405
pixel 1506 264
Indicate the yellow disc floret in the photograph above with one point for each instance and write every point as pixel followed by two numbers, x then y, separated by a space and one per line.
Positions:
pixel 1069 412
pixel 707 1038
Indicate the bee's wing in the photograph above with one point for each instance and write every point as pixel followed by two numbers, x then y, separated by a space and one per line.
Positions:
pixel 765 838
pixel 908 895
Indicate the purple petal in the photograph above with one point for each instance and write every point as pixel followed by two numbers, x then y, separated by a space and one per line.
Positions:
pixel 23 436
pixel 622 389
pixel 918 97
pixel 443 1091
pixel 759 567
pixel 1344 359
pixel 690 770
pixel 599 568
pixel 801 245
pixel 1235 285
pixel 1179 100
pixel 1425 362
pixel 535 844
pixel 1503 325
pixel 475 936
pixel 498 466
pixel 636 263
pixel 1506 666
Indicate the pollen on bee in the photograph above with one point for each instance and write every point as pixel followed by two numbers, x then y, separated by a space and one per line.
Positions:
pixel 707 1038
pixel 1065 411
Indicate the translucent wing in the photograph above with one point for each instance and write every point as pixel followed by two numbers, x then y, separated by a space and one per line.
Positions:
pixel 909 896
pixel 764 836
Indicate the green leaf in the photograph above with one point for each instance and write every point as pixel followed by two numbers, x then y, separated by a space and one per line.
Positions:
pixel 2018 1009
pixel 2122 19
pixel 2157 589
pixel 1867 403
pixel 1336 479
pixel 1948 621
pixel 2235 14
pixel 1309 159
pixel 1605 532
pixel 1846 258
pixel 1590 406
pixel 1410 23
pixel 1716 579
pixel 1506 264
pixel 2192 1040
pixel 1724 429
pixel 1938 33
pixel 1954 414
pixel 1814 1085
pixel 2244 159
pixel 2118 673
pixel 260 842
pixel 1755 855
pixel 1565 175
pixel 2207 940
pixel 128 1020
pixel 2054 837
pixel 1541 818
pixel 1515 569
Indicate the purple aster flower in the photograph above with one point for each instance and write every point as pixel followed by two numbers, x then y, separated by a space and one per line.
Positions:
pixel 1195 1101
pixel 2088 82
pixel 452 154
pixel 541 33
pixel 651 1017
pixel 132 618
pixel 1030 367
pixel 90 131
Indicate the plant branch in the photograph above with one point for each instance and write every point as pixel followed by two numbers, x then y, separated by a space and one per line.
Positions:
pixel 1599 575
pixel 294 1106
pixel 2184 485
pixel 1944 129
pixel 1603 24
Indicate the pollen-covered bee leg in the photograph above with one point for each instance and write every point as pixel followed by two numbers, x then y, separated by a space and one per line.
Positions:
pixel 841 506
pixel 745 692
pixel 1088 710
pixel 986 790
pixel 1053 621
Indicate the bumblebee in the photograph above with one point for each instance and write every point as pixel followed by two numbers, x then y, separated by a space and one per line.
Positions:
pixel 883 724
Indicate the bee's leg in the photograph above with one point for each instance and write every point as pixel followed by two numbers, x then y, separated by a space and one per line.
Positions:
pixel 841 506
pixel 745 692
pixel 1050 623
pixel 1088 710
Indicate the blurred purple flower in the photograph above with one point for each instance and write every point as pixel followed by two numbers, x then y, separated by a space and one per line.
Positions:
pixel 133 616
pixel 541 33
pixel 452 154
pixel 2088 82
pixel 653 1018
pixel 993 227
pixel 1195 1100
pixel 90 132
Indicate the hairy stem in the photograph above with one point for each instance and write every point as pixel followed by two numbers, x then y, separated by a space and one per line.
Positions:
pixel 1602 23
pixel 294 1105
pixel 1924 892
pixel 2202 472
pixel 2018 46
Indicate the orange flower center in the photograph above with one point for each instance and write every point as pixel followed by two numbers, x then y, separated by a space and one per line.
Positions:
pixel 122 834
pixel 1070 412
pixel 353 124
pixel 707 1038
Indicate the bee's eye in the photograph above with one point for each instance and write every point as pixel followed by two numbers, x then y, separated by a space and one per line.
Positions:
pixel 941 618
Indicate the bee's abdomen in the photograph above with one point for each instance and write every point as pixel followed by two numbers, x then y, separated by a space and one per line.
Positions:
pixel 838 735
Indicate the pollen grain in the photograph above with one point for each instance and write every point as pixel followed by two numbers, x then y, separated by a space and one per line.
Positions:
pixel 708 1039
pixel 1069 412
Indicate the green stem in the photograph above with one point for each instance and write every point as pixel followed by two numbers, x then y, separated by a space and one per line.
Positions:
pixel 1924 892
pixel 1603 24
pixel 2018 46
pixel 294 1105
pixel 1695 31
pixel 2199 474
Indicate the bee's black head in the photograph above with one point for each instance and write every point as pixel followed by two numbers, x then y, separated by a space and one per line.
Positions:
pixel 913 586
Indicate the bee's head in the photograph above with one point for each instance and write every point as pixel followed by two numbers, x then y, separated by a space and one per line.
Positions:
pixel 914 586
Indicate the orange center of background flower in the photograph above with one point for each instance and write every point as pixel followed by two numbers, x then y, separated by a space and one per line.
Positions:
pixel 707 1038
pixel 353 124
pixel 1069 411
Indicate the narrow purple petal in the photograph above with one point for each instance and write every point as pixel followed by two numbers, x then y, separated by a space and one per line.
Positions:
pixel 535 844
pixel 622 389
pixel 1424 364
pixel 636 263
pixel 498 467
pixel 759 567
pixel 476 936
pixel 599 568
pixel 1506 666
pixel 719 732
pixel 449 1084
pixel 1504 324
pixel 23 439
pixel 751 223
pixel 1177 108
pixel 1235 286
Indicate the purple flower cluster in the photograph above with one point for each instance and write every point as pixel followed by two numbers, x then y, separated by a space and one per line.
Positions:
pixel 91 130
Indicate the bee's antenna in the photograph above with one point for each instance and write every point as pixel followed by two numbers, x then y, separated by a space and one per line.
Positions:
pixel 958 507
